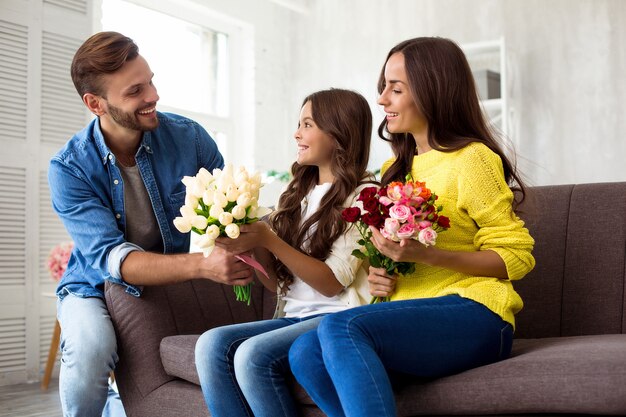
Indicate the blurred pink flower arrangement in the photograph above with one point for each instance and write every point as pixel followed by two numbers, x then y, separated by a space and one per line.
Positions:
pixel 58 259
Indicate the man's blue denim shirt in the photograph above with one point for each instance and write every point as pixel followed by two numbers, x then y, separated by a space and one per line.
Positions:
pixel 88 195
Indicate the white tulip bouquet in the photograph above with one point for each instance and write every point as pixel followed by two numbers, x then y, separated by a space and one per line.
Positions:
pixel 216 205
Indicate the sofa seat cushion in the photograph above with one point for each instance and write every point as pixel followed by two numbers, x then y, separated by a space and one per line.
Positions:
pixel 177 356
pixel 573 375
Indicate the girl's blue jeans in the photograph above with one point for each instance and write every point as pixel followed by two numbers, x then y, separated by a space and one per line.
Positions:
pixel 345 364
pixel 244 368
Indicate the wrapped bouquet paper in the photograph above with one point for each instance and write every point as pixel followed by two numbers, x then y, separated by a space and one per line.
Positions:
pixel 216 204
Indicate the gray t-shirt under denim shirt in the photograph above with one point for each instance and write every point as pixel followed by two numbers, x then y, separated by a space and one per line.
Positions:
pixel 142 228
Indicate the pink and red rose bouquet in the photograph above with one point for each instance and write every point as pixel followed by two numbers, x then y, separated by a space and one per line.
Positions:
pixel 400 211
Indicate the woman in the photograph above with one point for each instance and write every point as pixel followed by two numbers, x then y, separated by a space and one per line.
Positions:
pixel 456 311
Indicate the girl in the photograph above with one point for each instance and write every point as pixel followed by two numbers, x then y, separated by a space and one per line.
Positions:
pixel 243 368
pixel 456 311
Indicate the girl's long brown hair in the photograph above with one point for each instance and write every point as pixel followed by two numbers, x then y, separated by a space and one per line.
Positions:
pixel 346 117
pixel 442 86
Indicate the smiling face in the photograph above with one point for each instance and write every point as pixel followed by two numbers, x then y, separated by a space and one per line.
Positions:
pixel 131 97
pixel 315 147
pixel 403 115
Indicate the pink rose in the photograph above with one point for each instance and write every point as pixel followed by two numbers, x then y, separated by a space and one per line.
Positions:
pixel 407 231
pixel 424 224
pixel 427 236
pixel 400 212
pixel 391 225
pixel 387 235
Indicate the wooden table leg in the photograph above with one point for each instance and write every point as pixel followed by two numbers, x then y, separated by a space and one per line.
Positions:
pixel 52 355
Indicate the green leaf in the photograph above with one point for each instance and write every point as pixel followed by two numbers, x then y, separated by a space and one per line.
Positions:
pixel 374 261
pixel 358 254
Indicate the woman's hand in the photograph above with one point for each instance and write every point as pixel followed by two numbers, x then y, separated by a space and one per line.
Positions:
pixel 381 283
pixel 407 250
pixel 255 235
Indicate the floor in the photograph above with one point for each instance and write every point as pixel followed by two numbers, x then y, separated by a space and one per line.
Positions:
pixel 28 400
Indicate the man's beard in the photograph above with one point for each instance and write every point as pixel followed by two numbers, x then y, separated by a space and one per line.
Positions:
pixel 130 120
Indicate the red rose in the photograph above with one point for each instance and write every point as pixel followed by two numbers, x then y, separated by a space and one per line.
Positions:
pixel 367 194
pixel 444 222
pixel 373 219
pixel 351 214
pixel 371 205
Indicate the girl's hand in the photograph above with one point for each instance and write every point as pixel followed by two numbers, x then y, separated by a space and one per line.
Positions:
pixel 381 283
pixel 255 235
pixel 407 250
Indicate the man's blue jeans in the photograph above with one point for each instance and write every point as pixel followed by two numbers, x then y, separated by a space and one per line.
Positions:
pixel 244 368
pixel 345 364
pixel 89 354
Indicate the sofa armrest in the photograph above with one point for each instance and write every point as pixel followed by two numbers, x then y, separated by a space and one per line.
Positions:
pixel 142 322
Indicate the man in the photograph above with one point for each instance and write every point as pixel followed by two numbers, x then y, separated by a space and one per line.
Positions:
pixel 116 185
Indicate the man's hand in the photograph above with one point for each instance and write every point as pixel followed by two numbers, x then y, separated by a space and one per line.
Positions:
pixel 223 267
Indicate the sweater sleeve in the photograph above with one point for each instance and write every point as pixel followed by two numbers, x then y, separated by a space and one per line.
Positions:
pixel 487 198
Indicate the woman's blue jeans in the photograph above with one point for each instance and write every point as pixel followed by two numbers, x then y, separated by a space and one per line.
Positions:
pixel 244 368
pixel 345 364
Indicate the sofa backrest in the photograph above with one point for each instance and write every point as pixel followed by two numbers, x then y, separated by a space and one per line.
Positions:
pixel 578 284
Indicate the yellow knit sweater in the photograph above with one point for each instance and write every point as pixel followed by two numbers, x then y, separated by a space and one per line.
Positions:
pixel 471 187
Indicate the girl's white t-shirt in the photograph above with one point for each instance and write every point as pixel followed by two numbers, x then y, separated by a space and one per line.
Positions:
pixel 302 300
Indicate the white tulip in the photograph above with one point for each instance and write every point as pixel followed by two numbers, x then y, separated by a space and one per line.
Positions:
pixel 207 197
pixel 187 212
pixel 254 191
pixel 241 177
pixel 204 241
pixel 191 201
pixel 204 177
pixel 232 231
pixel 256 179
pixel 262 212
pixel 199 222
pixel 238 212
pixel 232 193
pixel 215 211
pixel 243 187
pixel 219 199
pixel 212 231
pixel 196 189
pixel 182 224
pixel 188 181
pixel 228 170
pixel 225 218
pixel 244 199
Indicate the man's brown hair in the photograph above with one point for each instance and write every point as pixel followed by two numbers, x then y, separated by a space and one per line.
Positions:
pixel 103 53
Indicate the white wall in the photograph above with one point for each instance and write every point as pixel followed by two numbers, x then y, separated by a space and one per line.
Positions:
pixel 567 62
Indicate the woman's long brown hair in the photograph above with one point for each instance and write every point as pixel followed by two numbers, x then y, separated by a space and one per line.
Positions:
pixel 346 117
pixel 442 86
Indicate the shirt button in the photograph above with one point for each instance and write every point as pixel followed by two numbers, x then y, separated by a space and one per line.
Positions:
pixel 110 157
pixel 147 148
pixel 118 216
pixel 116 182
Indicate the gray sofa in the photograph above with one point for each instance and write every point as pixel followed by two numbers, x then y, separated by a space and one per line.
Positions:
pixel 569 352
